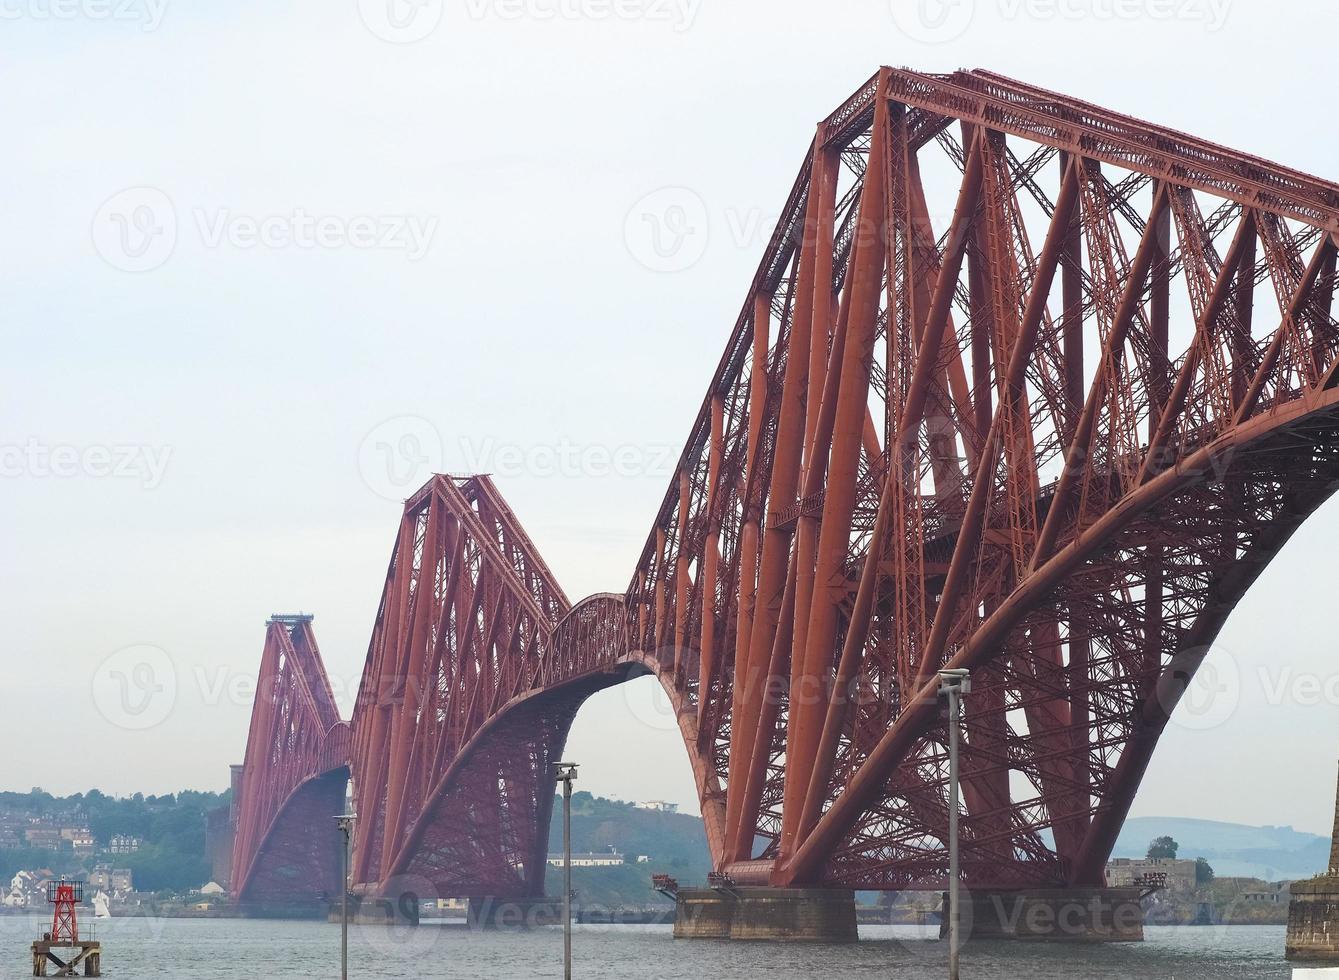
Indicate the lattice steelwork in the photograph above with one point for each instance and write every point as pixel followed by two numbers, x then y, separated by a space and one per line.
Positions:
pixel 1021 385
pixel 296 769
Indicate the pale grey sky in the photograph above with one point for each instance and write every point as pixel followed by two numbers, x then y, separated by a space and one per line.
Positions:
pixel 391 219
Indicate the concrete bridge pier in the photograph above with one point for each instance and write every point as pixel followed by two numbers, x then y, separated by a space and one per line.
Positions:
pixel 1074 915
pixel 366 910
pixel 514 913
pixel 825 915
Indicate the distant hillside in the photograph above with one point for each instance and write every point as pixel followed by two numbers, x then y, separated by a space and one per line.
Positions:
pixel 1272 853
pixel 674 843
pixel 172 828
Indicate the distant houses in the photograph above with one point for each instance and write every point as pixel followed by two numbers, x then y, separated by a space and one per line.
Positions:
pixel 60 834
pixel 123 844
pixel 660 806
pixel 116 882
pixel 608 859
pixel 27 889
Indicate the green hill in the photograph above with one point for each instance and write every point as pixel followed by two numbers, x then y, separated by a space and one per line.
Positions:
pixel 673 843
pixel 676 844
pixel 1237 850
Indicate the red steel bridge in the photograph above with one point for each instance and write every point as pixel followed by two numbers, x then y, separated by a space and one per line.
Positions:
pixel 1021 385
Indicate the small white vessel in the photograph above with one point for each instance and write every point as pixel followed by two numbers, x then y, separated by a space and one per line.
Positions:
pixel 102 906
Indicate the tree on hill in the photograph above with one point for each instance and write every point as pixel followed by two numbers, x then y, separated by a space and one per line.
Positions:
pixel 1203 872
pixel 171 828
pixel 1162 847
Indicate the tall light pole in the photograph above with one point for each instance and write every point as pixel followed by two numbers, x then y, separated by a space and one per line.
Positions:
pixel 345 823
pixel 953 684
pixel 565 772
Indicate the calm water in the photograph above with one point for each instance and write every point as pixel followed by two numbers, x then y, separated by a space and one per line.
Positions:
pixel 237 949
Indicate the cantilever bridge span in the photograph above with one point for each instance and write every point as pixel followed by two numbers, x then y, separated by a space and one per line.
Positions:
pixel 1021 385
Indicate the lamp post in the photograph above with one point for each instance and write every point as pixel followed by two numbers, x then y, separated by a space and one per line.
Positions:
pixel 345 823
pixel 565 772
pixel 953 684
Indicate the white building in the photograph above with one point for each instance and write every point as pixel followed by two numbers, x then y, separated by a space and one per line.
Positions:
pixel 606 860
pixel 27 889
pixel 660 806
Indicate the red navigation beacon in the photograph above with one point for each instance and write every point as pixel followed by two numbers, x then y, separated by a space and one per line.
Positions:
pixel 61 948
pixel 64 921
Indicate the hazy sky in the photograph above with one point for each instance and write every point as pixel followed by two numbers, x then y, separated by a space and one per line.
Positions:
pixel 244 245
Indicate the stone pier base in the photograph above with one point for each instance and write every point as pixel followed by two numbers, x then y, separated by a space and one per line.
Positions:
pixel 1313 920
pixel 822 915
pixel 514 913
pixel 1079 915
pixel 314 909
pixel 365 911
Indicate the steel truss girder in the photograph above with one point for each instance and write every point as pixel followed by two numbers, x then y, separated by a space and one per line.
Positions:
pixel 1021 385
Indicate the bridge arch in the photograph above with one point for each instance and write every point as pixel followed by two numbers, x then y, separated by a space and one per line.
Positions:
pixel 483 830
pixel 1049 427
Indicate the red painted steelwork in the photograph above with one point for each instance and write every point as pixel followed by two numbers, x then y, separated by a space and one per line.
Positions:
pixel 1021 385
pixel 294 775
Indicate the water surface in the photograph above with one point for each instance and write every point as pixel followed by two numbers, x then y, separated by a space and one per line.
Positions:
pixel 233 949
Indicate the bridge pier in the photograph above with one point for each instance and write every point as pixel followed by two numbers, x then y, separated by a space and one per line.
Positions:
pixel 296 908
pixel 1068 915
pixel 514 913
pixel 367 911
pixel 1313 921
pixel 825 915
pixel 1313 912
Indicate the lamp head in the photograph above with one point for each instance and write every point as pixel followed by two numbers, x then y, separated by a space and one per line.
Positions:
pixel 957 679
